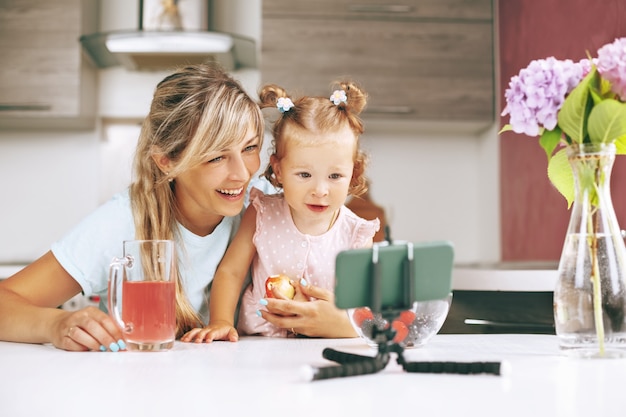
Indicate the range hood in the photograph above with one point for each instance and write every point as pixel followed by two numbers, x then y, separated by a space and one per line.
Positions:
pixel 156 50
pixel 161 49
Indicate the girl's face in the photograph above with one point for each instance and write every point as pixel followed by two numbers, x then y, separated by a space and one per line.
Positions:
pixel 216 188
pixel 316 178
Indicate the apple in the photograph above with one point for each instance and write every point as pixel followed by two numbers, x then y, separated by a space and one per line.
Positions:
pixel 279 286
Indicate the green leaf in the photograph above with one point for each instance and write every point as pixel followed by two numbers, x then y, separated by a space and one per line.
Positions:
pixel 607 121
pixel 605 88
pixel 590 176
pixel 572 117
pixel 599 88
pixel 505 128
pixel 549 140
pixel 561 175
pixel 620 145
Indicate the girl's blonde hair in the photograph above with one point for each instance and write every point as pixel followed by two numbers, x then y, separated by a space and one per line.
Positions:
pixel 195 111
pixel 317 116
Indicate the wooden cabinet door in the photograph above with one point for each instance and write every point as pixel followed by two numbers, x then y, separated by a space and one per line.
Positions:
pixel 429 69
pixel 42 75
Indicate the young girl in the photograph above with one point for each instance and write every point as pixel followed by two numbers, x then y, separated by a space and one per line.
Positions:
pixel 317 163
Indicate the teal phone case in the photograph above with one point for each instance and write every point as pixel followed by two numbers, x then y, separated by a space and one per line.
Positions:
pixel 430 276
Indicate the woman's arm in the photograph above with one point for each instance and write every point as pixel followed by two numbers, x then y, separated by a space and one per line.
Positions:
pixel 227 285
pixel 29 310
pixel 317 318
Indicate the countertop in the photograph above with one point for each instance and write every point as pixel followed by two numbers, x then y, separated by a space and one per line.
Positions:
pixel 479 276
pixel 505 276
pixel 263 377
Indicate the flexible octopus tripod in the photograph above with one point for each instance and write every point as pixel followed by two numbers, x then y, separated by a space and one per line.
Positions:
pixel 350 364
pixel 403 280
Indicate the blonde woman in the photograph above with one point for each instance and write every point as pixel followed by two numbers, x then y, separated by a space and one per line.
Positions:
pixel 197 151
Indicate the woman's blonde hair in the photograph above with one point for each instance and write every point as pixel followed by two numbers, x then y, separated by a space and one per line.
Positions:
pixel 318 115
pixel 195 111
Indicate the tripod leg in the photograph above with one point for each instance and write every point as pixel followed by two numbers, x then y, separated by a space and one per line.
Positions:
pixel 466 368
pixel 343 357
pixel 364 367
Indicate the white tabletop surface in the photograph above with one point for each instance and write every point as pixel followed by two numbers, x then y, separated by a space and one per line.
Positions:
pixel 261 377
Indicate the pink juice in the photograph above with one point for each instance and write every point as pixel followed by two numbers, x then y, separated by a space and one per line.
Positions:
pixel 149 307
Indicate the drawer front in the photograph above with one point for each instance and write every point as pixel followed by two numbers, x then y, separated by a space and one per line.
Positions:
pixel 500 312
pixel 380 9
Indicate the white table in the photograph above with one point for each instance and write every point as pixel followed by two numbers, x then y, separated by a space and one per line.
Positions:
pixel 261 377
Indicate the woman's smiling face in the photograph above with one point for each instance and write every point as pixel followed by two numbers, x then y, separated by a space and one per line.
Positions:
pixel 217 187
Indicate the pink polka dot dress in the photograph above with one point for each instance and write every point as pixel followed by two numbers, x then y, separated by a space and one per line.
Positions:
pixel 283 249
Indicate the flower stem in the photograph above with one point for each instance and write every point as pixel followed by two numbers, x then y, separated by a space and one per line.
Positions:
pixel 597 299
pixel 595 270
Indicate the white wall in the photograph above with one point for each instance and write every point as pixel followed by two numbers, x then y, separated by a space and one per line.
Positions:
pixel 433 185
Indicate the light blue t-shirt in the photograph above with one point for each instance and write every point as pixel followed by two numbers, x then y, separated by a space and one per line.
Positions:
pixel 88 249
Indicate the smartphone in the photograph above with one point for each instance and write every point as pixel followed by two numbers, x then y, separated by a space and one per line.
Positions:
pixel 393 276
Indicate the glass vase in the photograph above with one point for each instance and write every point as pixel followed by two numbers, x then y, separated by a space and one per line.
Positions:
pixel 590 295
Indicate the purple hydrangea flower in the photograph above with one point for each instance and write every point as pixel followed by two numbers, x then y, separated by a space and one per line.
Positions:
pixel 612 65
pixel 586 65
pixel 535 96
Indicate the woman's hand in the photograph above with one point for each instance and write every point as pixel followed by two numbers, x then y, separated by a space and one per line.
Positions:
pixel 86 329
pixel 316 318
pixel 29 313
pixel 214 331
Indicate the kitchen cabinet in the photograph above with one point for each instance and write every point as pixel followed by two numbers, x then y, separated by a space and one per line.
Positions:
pixel 502 297
pixel 500 312
pixel 45 81
pixel 419 60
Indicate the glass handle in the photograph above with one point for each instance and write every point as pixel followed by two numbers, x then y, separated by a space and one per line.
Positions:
pixel 115 278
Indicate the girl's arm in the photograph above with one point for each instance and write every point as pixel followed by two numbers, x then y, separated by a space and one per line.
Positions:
pixel 29 310
pixel 227 285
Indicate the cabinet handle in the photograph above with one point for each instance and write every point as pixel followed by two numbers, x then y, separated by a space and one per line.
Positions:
pixel 380 8
pixel 390 110
pixel 24 107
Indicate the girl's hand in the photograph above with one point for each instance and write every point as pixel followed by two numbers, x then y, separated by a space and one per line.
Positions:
pixel 86 329
pixel 214 331
pixel 316 318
